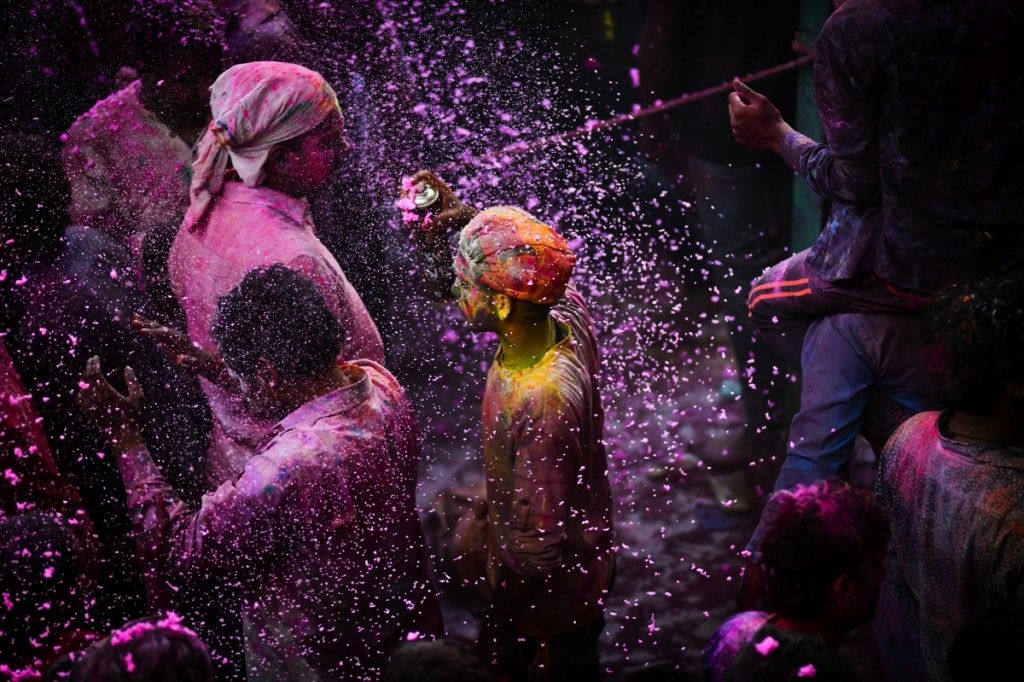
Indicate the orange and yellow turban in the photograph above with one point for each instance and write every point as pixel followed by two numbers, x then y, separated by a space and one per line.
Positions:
pixel 513 253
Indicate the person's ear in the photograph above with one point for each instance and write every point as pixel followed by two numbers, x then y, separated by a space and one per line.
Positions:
pixel 502 306
pixel 844 590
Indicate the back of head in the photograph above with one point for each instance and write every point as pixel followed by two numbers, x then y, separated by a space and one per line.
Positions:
pixel 990 645
pixel 514 254
pixel 277 315
pixel 814 535
pixel 779 656
pixel 154 649
pixel 980 328
pixel 39 566
pixel 435 661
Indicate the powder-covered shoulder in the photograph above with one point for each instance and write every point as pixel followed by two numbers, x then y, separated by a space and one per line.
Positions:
pixel 573 305
pixel 379 375
pixel 562 395
pixel 386 385
pixel 911 436
pixel 572 311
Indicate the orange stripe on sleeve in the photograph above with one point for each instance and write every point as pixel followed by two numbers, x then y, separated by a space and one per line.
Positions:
pixel 780 283
pixel 778 294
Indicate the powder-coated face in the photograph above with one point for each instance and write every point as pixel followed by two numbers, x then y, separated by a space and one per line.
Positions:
pixel 311 166
pixel 475 303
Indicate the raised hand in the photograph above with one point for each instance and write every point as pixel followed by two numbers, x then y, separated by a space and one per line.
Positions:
pixel 445 216
pixel 179 348
pixel 756 122
pixel 114 413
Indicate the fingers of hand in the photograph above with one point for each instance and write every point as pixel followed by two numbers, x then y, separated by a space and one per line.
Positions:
pixel 93 388
pixel 92 368
pixel 134 387
pixel 745 91
pixel 448 198
pixel 736 105
pixel 140 322
pixel 87 384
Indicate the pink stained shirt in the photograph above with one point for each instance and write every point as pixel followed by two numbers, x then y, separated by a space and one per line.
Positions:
pixel 249 228
pixel 320 530
pixel 550 504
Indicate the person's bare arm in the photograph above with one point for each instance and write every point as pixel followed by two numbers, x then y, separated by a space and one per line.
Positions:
pixel 234 524
pixel 180 349
pixel 845 167
pixel 432 230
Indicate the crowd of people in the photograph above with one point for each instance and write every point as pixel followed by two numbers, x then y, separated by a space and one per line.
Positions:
pixel 211 473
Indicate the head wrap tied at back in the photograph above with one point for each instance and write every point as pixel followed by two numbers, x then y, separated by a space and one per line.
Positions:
pixel 515 254
pixel 255 106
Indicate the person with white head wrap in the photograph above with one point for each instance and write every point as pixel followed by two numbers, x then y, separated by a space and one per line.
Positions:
pixel 239 220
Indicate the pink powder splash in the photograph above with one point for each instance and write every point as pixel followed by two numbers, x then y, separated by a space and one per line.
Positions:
pixel 171 622
pixel 807 671
pixel 767 645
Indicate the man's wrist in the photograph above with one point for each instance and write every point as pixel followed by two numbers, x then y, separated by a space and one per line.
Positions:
pixel 127 439
pixel 122 433
pixel 780 139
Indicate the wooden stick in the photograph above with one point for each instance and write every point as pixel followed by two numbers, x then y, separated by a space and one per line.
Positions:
pixel 519 148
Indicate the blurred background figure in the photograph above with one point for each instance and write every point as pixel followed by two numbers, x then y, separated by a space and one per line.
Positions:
pixel 743 197
pixel 70 292
pixel 127 158
pixel 46 588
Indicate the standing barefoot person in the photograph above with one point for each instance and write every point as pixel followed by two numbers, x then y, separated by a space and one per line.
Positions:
pixel 276 137
pixel 550 522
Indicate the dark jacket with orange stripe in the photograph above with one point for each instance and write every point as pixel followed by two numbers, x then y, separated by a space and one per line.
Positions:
pixel 922 105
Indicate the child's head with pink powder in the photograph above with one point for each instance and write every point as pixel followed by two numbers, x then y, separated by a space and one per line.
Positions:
pixel 823 553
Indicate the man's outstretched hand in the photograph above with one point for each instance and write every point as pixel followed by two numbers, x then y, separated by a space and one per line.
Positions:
pixel 114 413
pixel 446 216
pixel 179 348
pixel 756 122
